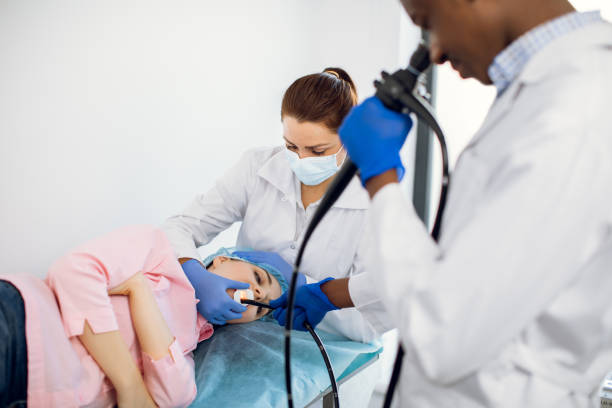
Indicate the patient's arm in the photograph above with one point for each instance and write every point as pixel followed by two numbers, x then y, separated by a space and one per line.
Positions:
pixel 167 373
pixel 113 356
pixel 153 333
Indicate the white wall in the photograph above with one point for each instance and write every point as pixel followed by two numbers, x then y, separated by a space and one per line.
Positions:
pixel 117 112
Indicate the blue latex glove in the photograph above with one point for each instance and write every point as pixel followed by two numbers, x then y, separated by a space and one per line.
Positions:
pixel 311 305
pixel 373 136
pixel 215 304
pixel 275 260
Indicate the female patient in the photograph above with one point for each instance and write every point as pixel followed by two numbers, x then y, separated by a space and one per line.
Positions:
pixel 114 322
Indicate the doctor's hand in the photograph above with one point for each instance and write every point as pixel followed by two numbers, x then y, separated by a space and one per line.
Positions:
pixel 215 304
pixel 311 305
pixel 373 136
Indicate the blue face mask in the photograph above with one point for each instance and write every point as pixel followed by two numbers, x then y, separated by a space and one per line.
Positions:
pixel 313 170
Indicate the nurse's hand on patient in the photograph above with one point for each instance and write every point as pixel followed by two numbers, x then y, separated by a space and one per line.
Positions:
pixel 373 136
pixel 311 305
pixel 215 304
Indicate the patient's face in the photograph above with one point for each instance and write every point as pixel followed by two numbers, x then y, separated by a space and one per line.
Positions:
pixel 265 287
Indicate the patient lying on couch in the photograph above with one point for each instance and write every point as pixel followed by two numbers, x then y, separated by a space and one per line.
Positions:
pixel 115 322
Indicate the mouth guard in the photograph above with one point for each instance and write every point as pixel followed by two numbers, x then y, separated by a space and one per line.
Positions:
pixel 243 294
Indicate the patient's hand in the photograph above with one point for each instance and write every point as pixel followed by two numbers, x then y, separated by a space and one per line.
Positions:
pixel 150 326
pixel 135 283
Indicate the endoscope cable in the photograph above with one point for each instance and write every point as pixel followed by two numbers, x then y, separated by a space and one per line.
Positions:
pixel 317 339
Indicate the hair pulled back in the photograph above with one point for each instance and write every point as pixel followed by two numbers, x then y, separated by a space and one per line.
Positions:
pixel 325 97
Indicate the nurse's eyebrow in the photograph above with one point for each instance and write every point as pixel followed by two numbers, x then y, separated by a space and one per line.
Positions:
pixel 308 147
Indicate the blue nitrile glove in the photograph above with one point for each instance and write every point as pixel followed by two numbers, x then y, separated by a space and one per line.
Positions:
pixel 311 305
pixel 275 260
pixel 373 136
pixel 215 304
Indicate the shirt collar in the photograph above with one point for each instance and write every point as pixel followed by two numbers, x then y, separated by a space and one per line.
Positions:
pixel 508 64
pixel 278 173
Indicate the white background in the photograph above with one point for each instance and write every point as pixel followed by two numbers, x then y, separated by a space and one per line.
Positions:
pixel 118 112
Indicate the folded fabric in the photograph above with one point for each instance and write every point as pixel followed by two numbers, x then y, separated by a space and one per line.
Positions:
pixel 242 365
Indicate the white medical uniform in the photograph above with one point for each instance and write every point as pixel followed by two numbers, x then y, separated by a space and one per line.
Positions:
pixel 263 193
pixel 513 306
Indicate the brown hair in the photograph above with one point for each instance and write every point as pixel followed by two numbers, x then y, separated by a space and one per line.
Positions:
pixel 325 97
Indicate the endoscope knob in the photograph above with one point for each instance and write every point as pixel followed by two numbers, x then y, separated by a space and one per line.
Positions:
pixel 420 60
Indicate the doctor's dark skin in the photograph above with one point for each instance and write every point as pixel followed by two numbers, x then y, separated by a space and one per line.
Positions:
pixel 468 34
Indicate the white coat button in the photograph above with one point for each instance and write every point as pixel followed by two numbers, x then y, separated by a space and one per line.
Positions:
pixel 292 246
pixel 284 198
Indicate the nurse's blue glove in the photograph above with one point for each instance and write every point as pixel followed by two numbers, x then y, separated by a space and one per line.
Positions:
pixel 373 136
pixel 215 303
pixel 311 305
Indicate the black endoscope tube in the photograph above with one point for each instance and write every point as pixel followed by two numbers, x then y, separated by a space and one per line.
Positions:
pixel 335 189
pixel 330 370
pixel 396 92
pixel 406 102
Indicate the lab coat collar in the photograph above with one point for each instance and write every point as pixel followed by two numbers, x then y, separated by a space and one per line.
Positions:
pixel 563 51
pixel 278 173
pixel 540 68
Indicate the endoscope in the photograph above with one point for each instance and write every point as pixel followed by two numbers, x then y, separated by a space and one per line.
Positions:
pixel 398 91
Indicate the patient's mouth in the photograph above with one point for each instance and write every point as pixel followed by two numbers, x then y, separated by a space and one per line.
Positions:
pixel 243 294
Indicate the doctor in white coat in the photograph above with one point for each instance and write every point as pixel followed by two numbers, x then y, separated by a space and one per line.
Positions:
pixel 274 192
pixel 513 306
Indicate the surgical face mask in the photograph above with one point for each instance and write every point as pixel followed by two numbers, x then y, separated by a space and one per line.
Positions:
pixel 313 170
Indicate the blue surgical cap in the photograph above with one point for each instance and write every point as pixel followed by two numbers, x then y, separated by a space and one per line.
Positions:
pixel 230 253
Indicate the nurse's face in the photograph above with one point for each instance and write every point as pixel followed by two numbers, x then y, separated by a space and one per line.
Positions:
pixel 265 287
pixel 310 139
pixel 467 33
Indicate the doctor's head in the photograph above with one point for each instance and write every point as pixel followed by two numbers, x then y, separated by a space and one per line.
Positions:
pixel 470 33
pixel 312 110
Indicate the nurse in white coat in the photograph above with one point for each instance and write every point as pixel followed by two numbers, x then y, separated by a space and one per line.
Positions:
pixel 513 306
pixel 274 193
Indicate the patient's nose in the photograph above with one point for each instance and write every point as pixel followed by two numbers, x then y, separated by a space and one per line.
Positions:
pixel 258 293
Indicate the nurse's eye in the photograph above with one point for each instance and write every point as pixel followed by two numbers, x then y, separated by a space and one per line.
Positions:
pixel 291 147
pixel 318 153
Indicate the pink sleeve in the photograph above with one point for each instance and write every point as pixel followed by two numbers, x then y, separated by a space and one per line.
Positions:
pixel 81 279
pixel 171 379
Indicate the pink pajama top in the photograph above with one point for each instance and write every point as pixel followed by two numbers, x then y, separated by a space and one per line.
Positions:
pixel 60 371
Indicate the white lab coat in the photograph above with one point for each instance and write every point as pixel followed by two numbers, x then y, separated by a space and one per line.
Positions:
pixel 263 193
pixel 513 306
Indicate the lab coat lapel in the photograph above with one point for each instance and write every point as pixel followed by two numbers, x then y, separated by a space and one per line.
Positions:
pixel 354 197
pixel 498 110
pixel 277 172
